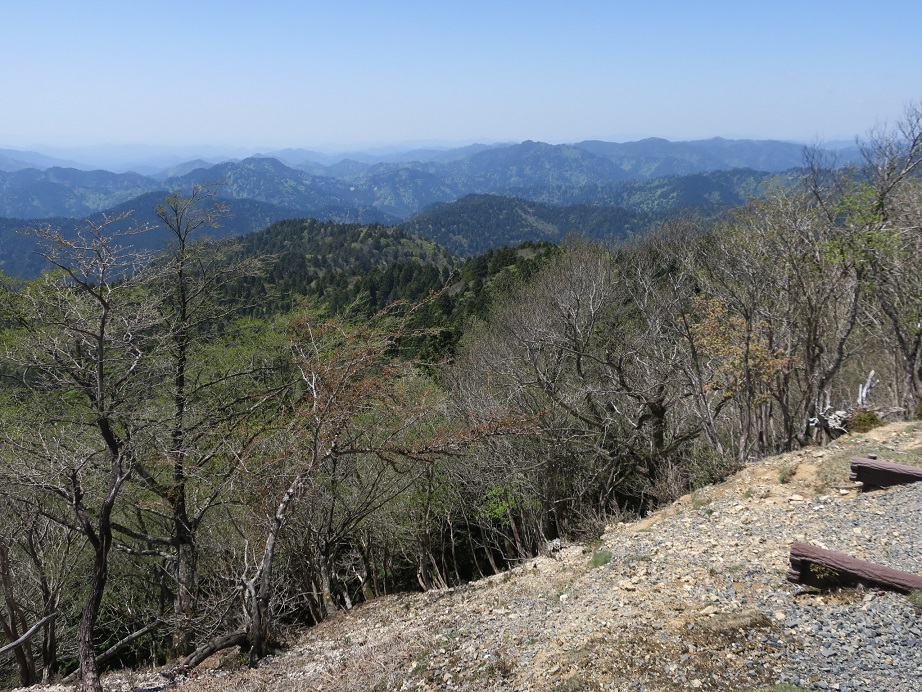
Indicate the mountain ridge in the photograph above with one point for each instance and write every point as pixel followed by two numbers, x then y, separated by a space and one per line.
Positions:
pixel 396 190
pixel 298 156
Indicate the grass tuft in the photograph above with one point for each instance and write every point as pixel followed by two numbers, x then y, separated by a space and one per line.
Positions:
pixel 600 558
pixel 915 597
pixel 786 474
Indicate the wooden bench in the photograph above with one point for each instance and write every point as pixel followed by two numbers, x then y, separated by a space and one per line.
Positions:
pixel 872 471
pixel 819 567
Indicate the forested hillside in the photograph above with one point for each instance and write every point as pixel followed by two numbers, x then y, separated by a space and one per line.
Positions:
pixel 34 194
pixel 655 157
pixel 211 447
pixel 332 264
pixel 587 181
pixel 476 223
pixel 16 160
pixel 361 270
pixel 468 226
pixel 18 245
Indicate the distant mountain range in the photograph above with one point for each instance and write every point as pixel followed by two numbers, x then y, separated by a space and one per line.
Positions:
pixel 153 160
pixel 633 180
pixel 390 190
pixel 16 160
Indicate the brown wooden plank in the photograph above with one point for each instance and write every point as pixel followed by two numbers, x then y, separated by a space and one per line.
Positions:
pixel 883 473
pixel 820 567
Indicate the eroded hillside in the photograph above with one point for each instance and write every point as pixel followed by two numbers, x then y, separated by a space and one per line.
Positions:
pixel 692 597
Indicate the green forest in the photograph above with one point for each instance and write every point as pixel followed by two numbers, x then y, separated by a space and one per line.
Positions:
pixel 216 445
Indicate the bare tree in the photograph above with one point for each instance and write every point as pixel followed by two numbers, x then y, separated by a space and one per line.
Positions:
pixel 878 205
pixel 589 352
pixel 37 556
pixel 80 345
pixel 896 284
pixel 893 160
pixel 893 156
pixel 789 284
pixel 357 403
pixel 193 431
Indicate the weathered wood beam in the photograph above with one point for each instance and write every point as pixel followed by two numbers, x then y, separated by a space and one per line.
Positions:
pixel 820 567
pixel 872 471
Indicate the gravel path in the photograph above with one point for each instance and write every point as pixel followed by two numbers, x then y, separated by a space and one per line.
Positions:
pixel 697 600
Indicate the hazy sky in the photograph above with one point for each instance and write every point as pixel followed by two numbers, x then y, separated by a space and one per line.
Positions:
pixel 330 74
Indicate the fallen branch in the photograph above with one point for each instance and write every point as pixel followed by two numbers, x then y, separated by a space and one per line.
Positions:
pixel 872 471
pixel 28 635
pixel 109 653
pixel 819 567
pixel 239 638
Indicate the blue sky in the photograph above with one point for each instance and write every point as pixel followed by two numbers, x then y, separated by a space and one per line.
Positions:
pixel 330 75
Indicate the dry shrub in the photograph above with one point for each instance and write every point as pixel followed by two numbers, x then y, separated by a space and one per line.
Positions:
pixel 864 421
pixel 700 467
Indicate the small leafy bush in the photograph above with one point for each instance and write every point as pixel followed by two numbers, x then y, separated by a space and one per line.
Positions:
pixel 825 574
pixel 863 421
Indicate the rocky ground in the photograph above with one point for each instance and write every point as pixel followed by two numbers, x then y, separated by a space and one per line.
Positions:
pixel 692 597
